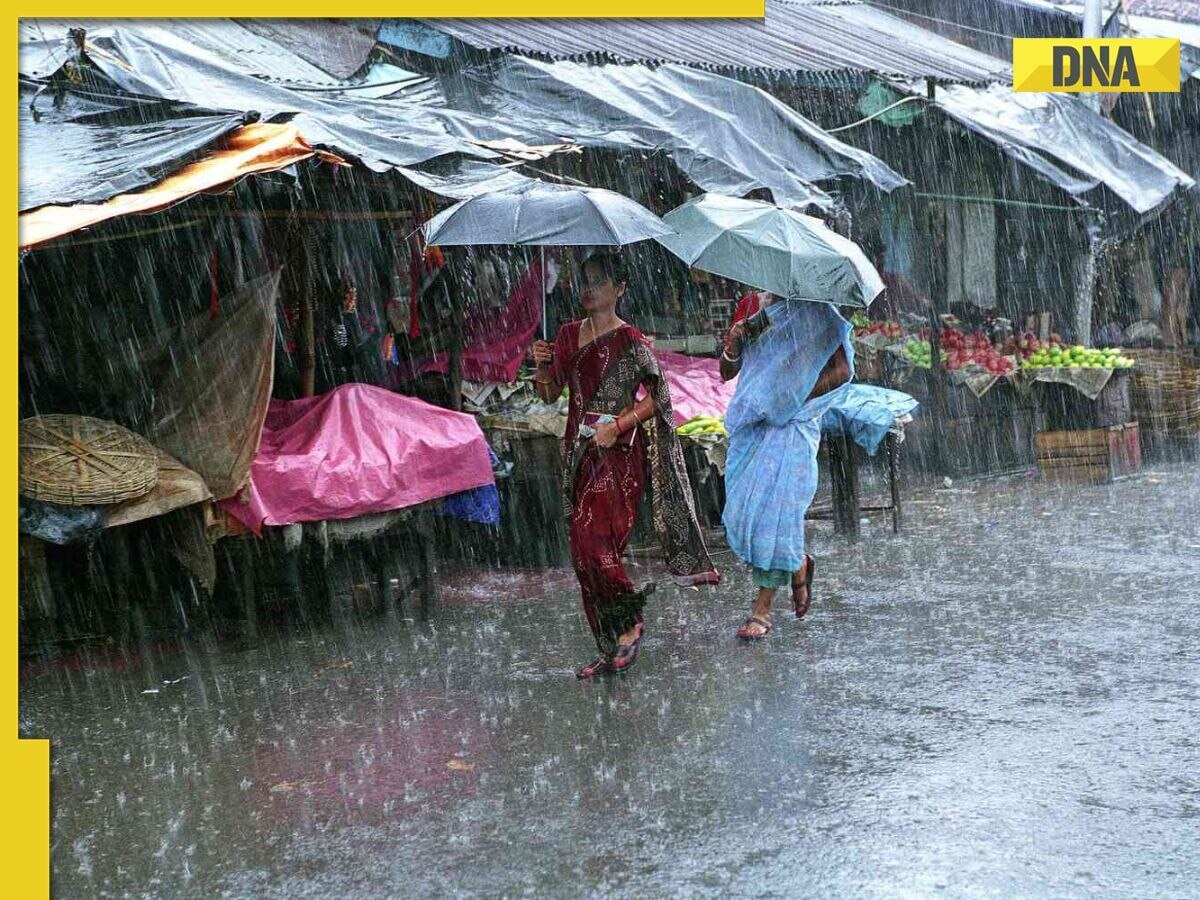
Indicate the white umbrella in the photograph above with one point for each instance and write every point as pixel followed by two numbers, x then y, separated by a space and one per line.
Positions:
pixel 774 249
pixel 544 214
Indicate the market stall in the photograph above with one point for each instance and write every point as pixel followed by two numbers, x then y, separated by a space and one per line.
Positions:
pixel 371 458
pixel 991 392
pixel 867 417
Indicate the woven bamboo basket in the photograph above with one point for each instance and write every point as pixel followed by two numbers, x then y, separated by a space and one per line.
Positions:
pixel 80 461
pixel 1166 392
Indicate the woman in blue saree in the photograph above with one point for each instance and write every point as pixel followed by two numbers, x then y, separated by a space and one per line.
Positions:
pixel 787 378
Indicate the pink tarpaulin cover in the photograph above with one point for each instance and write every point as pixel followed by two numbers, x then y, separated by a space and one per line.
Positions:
pixel 357 450
pixel 696 385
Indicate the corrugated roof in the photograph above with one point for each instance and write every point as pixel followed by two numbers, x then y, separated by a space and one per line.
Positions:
pixel 794 37
pixel 337 47
pixel 1175 10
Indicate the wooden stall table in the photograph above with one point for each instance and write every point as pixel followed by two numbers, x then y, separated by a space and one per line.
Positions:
pixel 288 556
pixel 844 456
pixel 533 529
pixel 867 418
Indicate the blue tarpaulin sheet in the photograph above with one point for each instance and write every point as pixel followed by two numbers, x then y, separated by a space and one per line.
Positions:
pixel 866 414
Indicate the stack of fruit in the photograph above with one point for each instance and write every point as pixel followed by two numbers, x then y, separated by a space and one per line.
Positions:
pixel 974 349
pixel 919 353
pixel 1077 357
pixel 1025 345
pixel 888 329
pixel 702 425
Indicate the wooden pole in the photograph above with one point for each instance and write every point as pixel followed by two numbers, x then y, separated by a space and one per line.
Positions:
pixel 936 279
pixel 545 324
pixel 457 321
pixel 308 346
pixel 308 339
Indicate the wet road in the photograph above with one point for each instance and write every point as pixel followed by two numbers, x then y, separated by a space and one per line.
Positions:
pixel 1001 701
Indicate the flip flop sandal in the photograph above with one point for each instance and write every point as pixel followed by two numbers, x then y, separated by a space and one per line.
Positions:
pixel 800 607
pixel 597 666
pixel 626 654
pixel 765 624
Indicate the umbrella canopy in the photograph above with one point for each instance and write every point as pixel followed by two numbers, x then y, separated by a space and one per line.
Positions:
pixel 773 249
pixel 545 214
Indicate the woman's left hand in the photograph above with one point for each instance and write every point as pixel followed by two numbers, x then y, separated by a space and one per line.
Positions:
pixel 606 434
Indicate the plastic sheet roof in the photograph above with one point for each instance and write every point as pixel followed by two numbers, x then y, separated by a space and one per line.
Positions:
pixel 1066 143
pixel 249 150
pixel 683 112
pixel 159 94
pixel 339 48
pixel 795 36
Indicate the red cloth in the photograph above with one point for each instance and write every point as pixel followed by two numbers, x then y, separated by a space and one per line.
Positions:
pixel 609 483
pixel 429 260
pixel 608 491
pixel 357 450
pixel 746 307
pixel 495 341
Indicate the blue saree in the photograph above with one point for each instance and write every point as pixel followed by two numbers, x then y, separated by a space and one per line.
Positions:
pixel 775 430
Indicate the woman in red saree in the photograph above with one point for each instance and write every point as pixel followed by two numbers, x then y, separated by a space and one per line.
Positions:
pixel 615 445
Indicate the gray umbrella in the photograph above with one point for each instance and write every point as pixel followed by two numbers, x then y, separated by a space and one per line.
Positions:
pixel 545 214
pixel 778 250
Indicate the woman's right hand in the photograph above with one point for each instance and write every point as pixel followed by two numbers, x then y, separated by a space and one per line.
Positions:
pixel 735 338
pixel 543 352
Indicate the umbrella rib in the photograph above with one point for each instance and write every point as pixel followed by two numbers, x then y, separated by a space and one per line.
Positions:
pixel 450 216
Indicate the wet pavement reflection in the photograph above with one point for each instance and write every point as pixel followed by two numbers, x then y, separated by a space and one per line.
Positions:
pixel 1000 701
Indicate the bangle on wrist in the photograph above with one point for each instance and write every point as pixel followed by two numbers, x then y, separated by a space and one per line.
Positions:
pixel 728 358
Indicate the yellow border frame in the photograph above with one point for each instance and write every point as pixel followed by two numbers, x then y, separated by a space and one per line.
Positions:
pixel 26 763
pixel 445 9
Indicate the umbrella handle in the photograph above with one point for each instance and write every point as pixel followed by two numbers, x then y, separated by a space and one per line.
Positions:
pixel 545 325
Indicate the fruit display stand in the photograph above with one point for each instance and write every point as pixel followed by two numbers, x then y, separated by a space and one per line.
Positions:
pixel 1090 455
pixel 871 340
pixel 1078 387
pixel 1091 398
pixel 984 426
pixel 704 440
pixel 970 368
pixel 844 458
pixel 532 496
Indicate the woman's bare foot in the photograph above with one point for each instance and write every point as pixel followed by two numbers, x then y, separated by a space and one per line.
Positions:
pixel 630 636
pixel 627 648
pixel 802 587
pixel 760 611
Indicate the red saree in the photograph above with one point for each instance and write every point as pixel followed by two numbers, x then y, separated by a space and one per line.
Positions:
pixel 603 488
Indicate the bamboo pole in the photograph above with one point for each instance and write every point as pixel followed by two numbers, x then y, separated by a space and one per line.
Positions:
pixel 308 341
